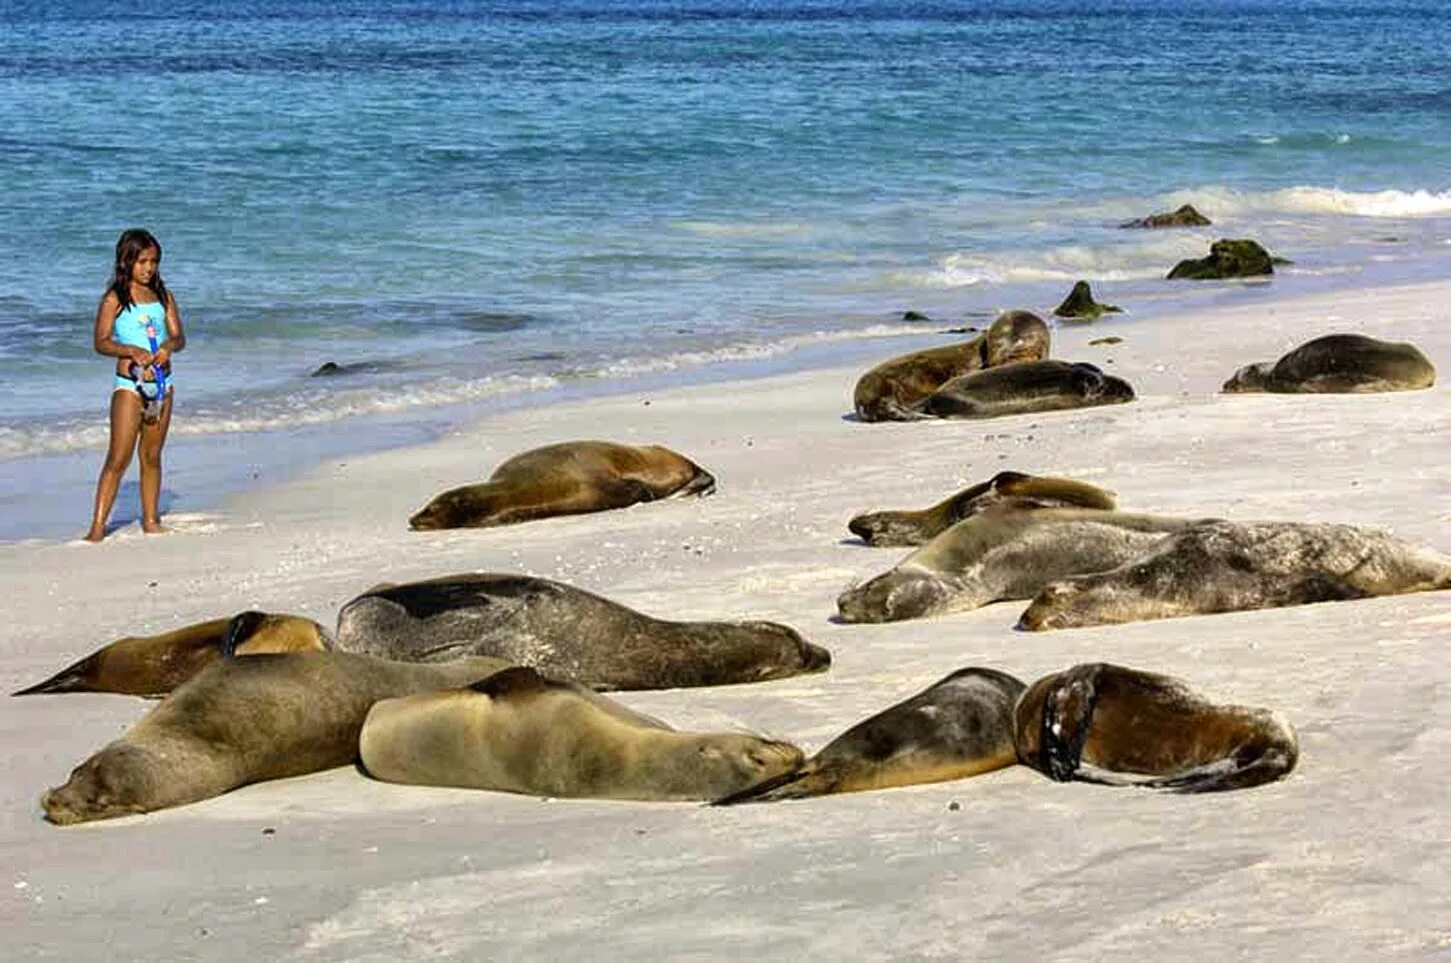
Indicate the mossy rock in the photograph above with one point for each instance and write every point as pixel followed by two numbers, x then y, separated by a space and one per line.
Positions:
pixel 1227 259
pixel 1185 216
pixel 1080 305
pixel 914 316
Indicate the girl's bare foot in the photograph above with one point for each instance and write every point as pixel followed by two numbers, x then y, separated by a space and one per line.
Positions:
pixel 153 527
pixel 95 534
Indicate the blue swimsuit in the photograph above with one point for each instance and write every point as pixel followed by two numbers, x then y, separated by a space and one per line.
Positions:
pixel 129 328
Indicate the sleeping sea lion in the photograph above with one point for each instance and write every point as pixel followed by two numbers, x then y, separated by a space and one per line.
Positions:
pixel 1002 553
pixel 241 721
pixel 959 727
pixel 518 732
pixel 1022 491
pixel 566 632
pixel 1027 387
pixel 893 389
pixel 1096 721
pixel 1339 363
pixel 153 665
pixel 568 478
pixel 1218 566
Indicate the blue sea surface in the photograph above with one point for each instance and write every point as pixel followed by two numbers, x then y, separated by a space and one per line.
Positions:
pixel 471 205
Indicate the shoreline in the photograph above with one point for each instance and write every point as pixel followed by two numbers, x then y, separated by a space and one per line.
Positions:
pixel 1317 864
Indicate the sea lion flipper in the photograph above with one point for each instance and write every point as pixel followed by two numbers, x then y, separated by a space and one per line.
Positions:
pixel 766 789
pixel 75 677
pixel 1067 715
pixel 515 680
pixel 239 630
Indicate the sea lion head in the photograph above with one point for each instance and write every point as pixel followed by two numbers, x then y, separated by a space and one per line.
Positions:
pixel 1091 383
pixel 1066 604
pixel 731 762
pixel 1252 377
pixel 104 786
pixel 452 509
pixel 1015 336
pixel 902 593
pixel 754 652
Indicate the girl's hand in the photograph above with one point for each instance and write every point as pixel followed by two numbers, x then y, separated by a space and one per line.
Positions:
pixel 161 357
pixel 139 356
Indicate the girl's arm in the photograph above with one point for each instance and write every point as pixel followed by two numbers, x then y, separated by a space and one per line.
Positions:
pixel 175 336
pixel 101 340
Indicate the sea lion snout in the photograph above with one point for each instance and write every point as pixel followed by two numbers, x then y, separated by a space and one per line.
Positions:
pixel 1051 608
pixel 892 597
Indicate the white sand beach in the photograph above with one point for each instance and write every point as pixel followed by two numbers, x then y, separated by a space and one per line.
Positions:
pixel 1349 857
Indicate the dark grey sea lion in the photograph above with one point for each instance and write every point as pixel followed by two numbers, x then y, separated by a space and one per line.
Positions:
pixel 959 727
pixel 569 478
pixel 892 390
pixel 1339 363
pixel 1080 305
pixel 153 665
pixel 240 721
pixel 1026 388
pixel 519 732
pixel 566 633
pixel 1219 566
pixel 1117 726
pixel 1003 553
pixel 892 528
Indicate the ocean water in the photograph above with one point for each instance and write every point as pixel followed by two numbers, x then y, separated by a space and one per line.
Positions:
pixel 476 205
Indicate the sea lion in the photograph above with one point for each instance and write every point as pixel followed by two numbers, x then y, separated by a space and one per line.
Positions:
pixel 153 665
pixel 1097 720
pixel 893 528
pixel 568 478
pixel 1027 387
pixel 1339 363
pixel 1219 566
pixel 566 632
pixel 959 727
pixel 1002 553
pixel 893 389
pixel 241 721
pixel 518 732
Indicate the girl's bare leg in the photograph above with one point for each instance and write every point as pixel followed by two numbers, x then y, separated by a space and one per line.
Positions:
pixel 125 424
pixel 153 437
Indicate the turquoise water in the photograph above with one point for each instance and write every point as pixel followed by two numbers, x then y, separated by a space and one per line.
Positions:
pixel 478 202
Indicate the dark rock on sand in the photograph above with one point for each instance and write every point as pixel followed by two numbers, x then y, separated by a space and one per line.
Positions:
pixel 1080 304
pixel 1227 259
pixel 1185 216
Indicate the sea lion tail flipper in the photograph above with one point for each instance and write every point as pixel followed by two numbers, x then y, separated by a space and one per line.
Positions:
pixel 769 790
pixel 73 678
pixel 239 630
pixel 1249 766
pixel 1067 715
pixel 515 680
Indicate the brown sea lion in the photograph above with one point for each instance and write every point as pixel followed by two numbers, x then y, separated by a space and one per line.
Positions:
pixel 959 727
pixel 1002 553
pixel 566 632
pixel 518 732
pixel 1022 491
pixel 1026 388
pixel 153 665
pixel 1218 566
pixel 241 721
pixel 568 478
pixel 893 389
pixel 1339 363
pixel 1096 722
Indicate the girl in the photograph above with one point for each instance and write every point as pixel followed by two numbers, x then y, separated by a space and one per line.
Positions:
pixel 138 324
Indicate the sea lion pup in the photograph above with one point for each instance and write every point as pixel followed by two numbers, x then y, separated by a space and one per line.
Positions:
pixel 568 478
pixel 1002 553
pixel 1023 491
pixel 892 390
pixel 1221 566
pixel 1096 721
pixel 1027 387
pixel 1339 363
pixel 518 732
pixel 153 665
pixel 566 632
pixel 960 727
pixel 241 721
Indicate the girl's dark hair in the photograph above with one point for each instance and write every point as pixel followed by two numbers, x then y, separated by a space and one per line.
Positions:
pixel 128 249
